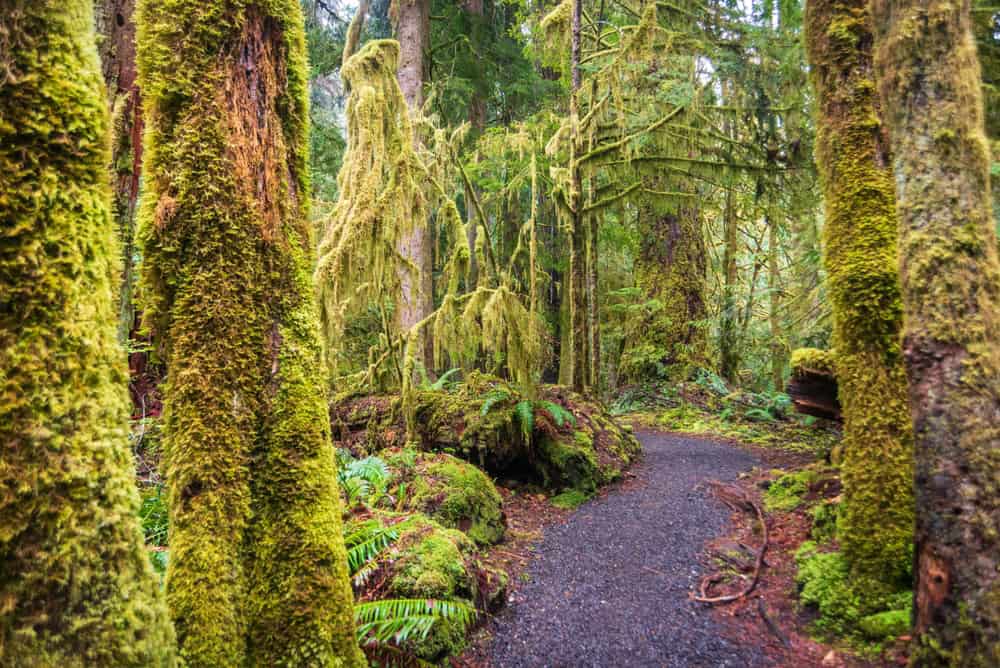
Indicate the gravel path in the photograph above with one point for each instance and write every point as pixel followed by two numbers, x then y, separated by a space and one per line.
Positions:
pixel 610 587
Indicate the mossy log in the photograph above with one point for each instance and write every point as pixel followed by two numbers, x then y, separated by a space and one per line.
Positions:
pixel 813 384
pixel 560 440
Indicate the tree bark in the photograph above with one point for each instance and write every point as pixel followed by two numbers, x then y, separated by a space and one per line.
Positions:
pixel 412 23
pixel 116 29
pixel 929 81
pixel 258 569
pixel 77 585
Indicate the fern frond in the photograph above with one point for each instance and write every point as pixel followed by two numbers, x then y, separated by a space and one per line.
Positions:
pixel 559 414
pixel 367 542
pixel 525 413
pixel 493 398
pixel 444 380
pixel 399 619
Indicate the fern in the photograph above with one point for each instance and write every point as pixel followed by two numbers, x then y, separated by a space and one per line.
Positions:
pixel 366 542
pixel 397 620
pixel 559 414
pixel 493 398
pixel 525 413
pixel 443 381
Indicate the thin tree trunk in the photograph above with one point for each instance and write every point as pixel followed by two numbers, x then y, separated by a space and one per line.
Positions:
pixel 116 29
pixel 774 301
pixel 417 287
pixel 258 570
pixel 729 360
pixel 875 528
pixel 929 80
pixel 76 584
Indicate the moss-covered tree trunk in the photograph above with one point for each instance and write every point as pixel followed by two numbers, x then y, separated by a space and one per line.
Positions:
pixel 729 354
pixel 670 271
pixel 258 570
pixel 929 81
pixel 852 153
pixel 76 585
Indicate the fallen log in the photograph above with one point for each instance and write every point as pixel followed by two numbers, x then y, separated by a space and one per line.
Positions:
pixel 813 385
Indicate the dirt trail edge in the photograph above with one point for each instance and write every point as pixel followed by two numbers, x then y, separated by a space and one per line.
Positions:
pixel 609 587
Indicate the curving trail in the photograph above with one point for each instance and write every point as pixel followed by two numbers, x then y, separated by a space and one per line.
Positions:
pixel 609 588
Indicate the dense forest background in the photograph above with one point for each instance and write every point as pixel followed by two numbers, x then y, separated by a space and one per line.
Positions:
pixel 387 274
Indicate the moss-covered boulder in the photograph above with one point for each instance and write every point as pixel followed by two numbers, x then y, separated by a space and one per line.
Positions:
pixel 559 439
pixel 430 561
pixel 453 492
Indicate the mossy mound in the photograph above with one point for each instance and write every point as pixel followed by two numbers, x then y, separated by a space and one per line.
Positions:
pixel 430 561
pixel 559 439
pixel 848 607
pixel 451 491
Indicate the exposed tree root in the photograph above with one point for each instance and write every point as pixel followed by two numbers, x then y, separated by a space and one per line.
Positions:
pixel 736 499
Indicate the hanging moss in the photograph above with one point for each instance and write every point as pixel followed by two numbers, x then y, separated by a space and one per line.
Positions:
pixel 258 571
pixel 876 523
pixel 77 587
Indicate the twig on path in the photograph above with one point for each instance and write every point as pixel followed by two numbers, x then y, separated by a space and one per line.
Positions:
pixel 771 626
pixel 735 498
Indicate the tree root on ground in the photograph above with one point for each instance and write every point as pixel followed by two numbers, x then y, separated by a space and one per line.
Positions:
pixel 736 499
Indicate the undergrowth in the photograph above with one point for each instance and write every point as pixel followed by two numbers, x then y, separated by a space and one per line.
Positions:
pixel 707 405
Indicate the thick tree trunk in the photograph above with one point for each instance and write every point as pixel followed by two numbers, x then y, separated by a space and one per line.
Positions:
pixel 417 288
pixel 670 270
pixel 852 152
pixel 929 80
pixel 258 570
pixel 76 584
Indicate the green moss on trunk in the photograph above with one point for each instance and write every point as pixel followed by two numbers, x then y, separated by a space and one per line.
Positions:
pixel 860 256
pixel 930 79
pixel 258 571
pixel 76 585
pixel 670 271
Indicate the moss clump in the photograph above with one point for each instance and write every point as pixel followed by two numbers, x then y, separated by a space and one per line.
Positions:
pixel 885 625
pixel 824 521
pixel 76 585
pixel 453 492
pixel 846 606
pixel 258 570
pixel 570 499
pixel 788 491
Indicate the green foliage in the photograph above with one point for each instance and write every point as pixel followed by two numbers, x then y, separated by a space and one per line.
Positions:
pixel 397 620
pixel 788 491
pixel 153 516
pixel 560 415
pixel 364 543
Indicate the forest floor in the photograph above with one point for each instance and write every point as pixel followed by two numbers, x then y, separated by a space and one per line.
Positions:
pixel 610 584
